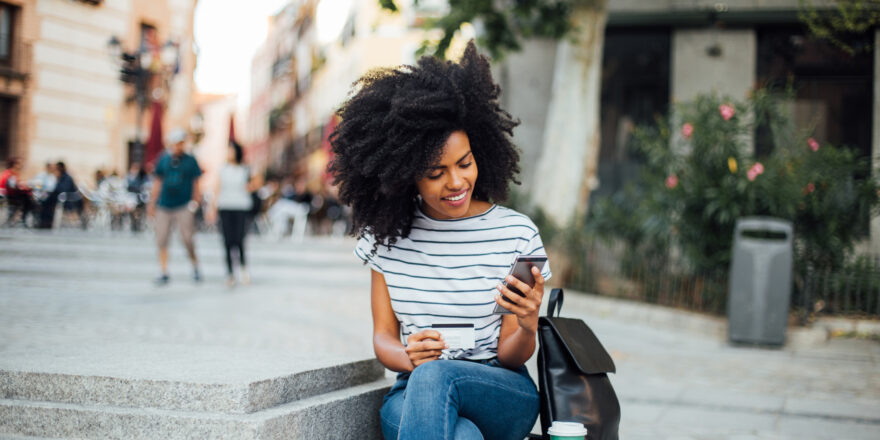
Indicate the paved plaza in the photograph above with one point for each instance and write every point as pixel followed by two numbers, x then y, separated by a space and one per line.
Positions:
pixel 83 303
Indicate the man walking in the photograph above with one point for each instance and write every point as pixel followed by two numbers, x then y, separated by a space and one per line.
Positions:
pixel 175 200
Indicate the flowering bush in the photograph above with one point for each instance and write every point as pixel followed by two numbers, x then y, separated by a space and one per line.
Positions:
pixel 694 187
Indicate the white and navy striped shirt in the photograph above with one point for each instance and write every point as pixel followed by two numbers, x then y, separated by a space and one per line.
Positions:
pixel 446 271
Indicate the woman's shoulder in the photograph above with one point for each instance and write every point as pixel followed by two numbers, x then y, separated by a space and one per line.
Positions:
pixel 509 216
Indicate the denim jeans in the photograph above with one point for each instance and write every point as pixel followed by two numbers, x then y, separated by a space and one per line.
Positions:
pixel 461 400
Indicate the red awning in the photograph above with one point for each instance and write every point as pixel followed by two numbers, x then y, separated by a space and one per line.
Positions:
pixel 154 147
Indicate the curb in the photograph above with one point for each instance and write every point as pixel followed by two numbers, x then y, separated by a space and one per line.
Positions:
pixel 817 333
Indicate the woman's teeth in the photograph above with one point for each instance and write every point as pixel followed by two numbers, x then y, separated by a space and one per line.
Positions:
pixel 456 198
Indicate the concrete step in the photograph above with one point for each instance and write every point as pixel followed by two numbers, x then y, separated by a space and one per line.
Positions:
pixel 350 413
pixel 209 380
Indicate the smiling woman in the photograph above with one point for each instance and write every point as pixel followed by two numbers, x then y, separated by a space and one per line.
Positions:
pixel 422 154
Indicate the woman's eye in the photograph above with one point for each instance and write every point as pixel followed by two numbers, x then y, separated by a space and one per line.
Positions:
pixel 465 165
pixel 435 176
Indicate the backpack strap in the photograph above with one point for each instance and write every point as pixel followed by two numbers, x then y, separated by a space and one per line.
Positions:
pixel 554 304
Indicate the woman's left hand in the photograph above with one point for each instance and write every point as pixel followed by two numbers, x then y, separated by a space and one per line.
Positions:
pixel 526 308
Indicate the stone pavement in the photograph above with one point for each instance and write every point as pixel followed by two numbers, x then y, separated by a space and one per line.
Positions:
pixel 83 303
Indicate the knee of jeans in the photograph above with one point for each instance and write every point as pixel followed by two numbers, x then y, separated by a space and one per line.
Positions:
pixel 431 374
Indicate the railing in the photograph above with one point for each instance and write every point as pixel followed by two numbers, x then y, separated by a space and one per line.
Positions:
pixel 19 64
pixel 853 290
pixel 660 277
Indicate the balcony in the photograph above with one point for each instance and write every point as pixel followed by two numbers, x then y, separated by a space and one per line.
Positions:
pixel 17 65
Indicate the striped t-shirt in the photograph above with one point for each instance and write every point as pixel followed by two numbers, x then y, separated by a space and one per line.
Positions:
pixel 446 271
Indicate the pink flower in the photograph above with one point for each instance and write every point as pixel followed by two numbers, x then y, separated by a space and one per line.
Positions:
pixel 727 111
pixel 687 130
pixel 756 170
pixel 672 181
pixel 809 188
pixel 814 145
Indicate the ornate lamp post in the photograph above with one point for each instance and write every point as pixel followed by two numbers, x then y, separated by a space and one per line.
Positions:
pixel 148 70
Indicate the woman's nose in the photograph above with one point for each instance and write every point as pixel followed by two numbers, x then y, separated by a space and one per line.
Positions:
pixel 456 180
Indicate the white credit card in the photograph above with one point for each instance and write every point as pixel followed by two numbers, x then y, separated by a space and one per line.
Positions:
pixel 458 336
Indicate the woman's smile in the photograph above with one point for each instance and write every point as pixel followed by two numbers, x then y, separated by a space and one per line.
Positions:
pixel 447 188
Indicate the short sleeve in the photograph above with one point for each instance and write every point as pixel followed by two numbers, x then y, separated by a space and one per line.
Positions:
pixel 364 251
pixel 197 170
pixel 536 247
pixel 160 166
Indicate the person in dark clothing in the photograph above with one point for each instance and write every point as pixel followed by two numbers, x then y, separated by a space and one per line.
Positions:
pixel 65 192
pixel 138 187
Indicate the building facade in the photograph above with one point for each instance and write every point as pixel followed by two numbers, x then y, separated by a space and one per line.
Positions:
pixel 61 96
pixel 300 76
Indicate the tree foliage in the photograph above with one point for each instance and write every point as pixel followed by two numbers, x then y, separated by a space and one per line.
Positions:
pixel 847 19
pixel 503 24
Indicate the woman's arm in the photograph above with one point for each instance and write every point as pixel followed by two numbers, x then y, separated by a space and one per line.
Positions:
pixel 516 343
pixel 422 347
pixel 255 182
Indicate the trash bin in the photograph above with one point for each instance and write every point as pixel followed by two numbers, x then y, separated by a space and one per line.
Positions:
pixel 760 281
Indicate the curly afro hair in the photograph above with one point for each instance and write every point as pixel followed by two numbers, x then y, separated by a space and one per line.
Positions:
pixel 394 127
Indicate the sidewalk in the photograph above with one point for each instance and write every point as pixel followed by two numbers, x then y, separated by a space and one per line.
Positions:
pixel 84 303
pixel 678 378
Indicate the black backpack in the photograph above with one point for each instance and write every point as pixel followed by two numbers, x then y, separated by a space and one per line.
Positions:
pixel 572 375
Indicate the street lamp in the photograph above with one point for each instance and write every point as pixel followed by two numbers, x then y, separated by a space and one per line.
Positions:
pixel 141 69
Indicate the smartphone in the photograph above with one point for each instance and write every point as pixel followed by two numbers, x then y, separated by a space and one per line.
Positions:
pixel 521 269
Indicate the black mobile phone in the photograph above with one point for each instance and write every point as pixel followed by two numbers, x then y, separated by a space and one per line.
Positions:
pixel 522 270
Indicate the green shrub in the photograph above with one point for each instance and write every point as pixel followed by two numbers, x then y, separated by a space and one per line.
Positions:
pixel 700 178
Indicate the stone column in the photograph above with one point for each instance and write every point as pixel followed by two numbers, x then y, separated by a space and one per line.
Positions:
pixel 875 140
pixel 713 60
pixel 527 81
pixel 566 168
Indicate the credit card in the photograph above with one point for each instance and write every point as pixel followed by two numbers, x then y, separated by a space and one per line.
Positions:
pixel 458 336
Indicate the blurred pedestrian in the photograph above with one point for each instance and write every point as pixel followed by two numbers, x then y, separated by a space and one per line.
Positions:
pixel 113 191
pixel 234 203
pixel 175 200
pixel 45 180
pixel 138 182
pixel 67 193
pixel 18 195
pixel 99 177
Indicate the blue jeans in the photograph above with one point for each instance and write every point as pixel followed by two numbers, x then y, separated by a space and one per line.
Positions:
pixel 461 400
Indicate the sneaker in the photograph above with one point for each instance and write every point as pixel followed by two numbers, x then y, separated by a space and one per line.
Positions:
pixel 245 278
pixel 197 277
pixel 162 280
pixel 230 282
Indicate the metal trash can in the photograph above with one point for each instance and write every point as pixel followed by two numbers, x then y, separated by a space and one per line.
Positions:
pixel 760 281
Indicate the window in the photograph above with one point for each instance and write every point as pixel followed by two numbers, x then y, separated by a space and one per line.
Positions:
pixel 833 90
pixel 7 126
pixel 7 14
pixel 635 89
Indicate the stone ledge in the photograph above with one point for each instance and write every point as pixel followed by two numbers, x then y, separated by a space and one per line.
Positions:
pixel 243 387
pixel 816 334
pixel 351 413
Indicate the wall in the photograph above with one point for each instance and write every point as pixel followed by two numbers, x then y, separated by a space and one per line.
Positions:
pixel 695 72
pixel 75 109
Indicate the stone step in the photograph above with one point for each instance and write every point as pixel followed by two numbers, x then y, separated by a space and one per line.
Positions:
pixel 229 381
pixel 350 413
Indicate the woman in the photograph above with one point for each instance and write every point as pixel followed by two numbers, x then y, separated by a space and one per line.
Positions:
pixel 18 195
pixel 407 155
pixel 233 201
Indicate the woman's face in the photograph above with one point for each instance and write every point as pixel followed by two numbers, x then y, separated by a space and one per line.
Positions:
pixel 448 186
pixel 230 154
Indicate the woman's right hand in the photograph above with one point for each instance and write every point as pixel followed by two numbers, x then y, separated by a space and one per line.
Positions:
pixel 424 346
